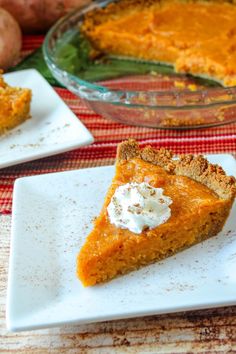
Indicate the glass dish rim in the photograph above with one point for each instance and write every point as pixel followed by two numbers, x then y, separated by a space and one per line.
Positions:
pixel 113 96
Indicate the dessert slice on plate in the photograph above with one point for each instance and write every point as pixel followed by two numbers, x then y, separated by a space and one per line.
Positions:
pixel 14 105
pixel 156 206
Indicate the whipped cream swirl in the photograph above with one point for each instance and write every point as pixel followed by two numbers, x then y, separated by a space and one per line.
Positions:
pixel 138 206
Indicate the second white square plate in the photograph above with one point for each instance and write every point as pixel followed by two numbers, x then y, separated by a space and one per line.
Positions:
pixel 52 129
pixel 52 214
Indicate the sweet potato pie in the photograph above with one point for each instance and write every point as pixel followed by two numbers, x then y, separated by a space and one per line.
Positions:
pixel 202 196
pixel 14 106
pixel 194 36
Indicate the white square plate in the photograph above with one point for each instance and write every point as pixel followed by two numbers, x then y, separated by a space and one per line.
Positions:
pixel 53 213
pixel 52 129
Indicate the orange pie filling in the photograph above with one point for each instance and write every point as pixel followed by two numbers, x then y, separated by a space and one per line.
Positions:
pixel 195 37
pixel 14 106
pixel 196 214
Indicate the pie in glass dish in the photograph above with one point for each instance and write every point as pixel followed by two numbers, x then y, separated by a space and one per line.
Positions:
pixel 156 206
pixel 194 36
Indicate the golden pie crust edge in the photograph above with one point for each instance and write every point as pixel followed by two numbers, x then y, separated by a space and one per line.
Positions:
pixel 195 167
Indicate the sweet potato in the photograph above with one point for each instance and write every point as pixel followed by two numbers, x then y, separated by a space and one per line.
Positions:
pixel 39 15
pixel 10 39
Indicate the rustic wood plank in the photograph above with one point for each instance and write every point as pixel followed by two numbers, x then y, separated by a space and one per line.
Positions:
pixel 208 331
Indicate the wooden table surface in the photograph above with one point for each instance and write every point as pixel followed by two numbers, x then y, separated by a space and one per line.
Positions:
pixel 208 331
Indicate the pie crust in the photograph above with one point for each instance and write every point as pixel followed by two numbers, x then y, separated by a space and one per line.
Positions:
pixel 195 167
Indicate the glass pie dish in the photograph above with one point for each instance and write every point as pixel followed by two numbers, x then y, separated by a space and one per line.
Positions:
pixel 130 91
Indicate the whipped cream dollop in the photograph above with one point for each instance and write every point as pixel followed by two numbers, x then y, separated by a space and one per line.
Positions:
pixel 137 206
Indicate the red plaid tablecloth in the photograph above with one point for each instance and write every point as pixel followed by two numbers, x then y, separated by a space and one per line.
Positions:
pixel 107 134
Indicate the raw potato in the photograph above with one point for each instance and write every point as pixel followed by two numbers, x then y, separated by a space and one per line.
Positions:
pixel 39 15
pixel 10 39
